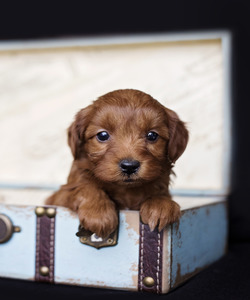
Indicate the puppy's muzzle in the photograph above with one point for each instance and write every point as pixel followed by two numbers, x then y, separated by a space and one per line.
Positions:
pixel 129 166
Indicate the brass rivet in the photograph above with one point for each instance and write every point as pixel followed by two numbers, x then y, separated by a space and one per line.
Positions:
pixel 17 229
pixel 44 271
pixel 40 211
pixel 50 212
pixel 148 281
pixel 110 241
pixel 83 239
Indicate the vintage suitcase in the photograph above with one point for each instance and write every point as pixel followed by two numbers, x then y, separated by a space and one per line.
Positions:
pixel 45 248
pixel 45 243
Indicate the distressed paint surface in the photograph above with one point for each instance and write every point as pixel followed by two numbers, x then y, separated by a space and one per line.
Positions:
pixel 17 256
pixel 111 267
pixel 198 240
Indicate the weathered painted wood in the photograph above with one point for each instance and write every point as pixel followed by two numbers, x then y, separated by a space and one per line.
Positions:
pixel 115 267
pixel 197 241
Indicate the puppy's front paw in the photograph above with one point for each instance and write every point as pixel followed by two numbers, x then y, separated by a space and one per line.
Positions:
pixel 101 219
pixel 159 212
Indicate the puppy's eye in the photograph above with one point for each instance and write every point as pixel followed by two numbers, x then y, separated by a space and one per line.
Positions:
pixel 102 136
pixel 152 136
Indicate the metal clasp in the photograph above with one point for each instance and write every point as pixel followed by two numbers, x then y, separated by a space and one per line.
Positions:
pixel 89 238
pixel 7 228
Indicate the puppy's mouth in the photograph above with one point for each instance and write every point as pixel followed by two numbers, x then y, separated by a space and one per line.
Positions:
pixel 129 180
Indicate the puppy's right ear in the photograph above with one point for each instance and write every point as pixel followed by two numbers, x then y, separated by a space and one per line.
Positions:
pixel 76 132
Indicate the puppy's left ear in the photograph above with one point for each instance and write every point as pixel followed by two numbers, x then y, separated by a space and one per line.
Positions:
pixel 178 136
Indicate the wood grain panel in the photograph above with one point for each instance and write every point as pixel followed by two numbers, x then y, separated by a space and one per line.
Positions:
pixel 41 90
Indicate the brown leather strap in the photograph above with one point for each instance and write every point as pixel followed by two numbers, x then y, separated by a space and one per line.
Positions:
pixel 150 260
pixel 45 246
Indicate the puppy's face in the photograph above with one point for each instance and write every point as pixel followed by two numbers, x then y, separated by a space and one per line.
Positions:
pixel 128 137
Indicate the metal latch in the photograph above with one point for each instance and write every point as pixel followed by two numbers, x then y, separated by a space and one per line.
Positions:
pixel 7 228
pixel 89 238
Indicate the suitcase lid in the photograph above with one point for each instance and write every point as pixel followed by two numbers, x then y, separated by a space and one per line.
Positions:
pixel 47 82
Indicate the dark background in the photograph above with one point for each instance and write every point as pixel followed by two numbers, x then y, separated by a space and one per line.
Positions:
pixel 228 278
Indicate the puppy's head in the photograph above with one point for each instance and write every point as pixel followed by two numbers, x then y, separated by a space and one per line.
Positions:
pixel 128 137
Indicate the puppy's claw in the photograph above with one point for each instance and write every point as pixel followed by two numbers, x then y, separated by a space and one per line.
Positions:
pixel 159 211
pixel 152 224
pixel 147 220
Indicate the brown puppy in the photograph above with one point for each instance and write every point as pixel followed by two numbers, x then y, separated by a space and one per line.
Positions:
pixel 124 146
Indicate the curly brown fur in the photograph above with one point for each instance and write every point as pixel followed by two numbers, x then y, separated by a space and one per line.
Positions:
pixel 100 182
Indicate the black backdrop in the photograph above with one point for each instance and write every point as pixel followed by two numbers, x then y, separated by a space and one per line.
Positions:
pixel 20 21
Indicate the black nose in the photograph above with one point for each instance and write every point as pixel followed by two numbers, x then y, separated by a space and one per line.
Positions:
pixel 129 166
